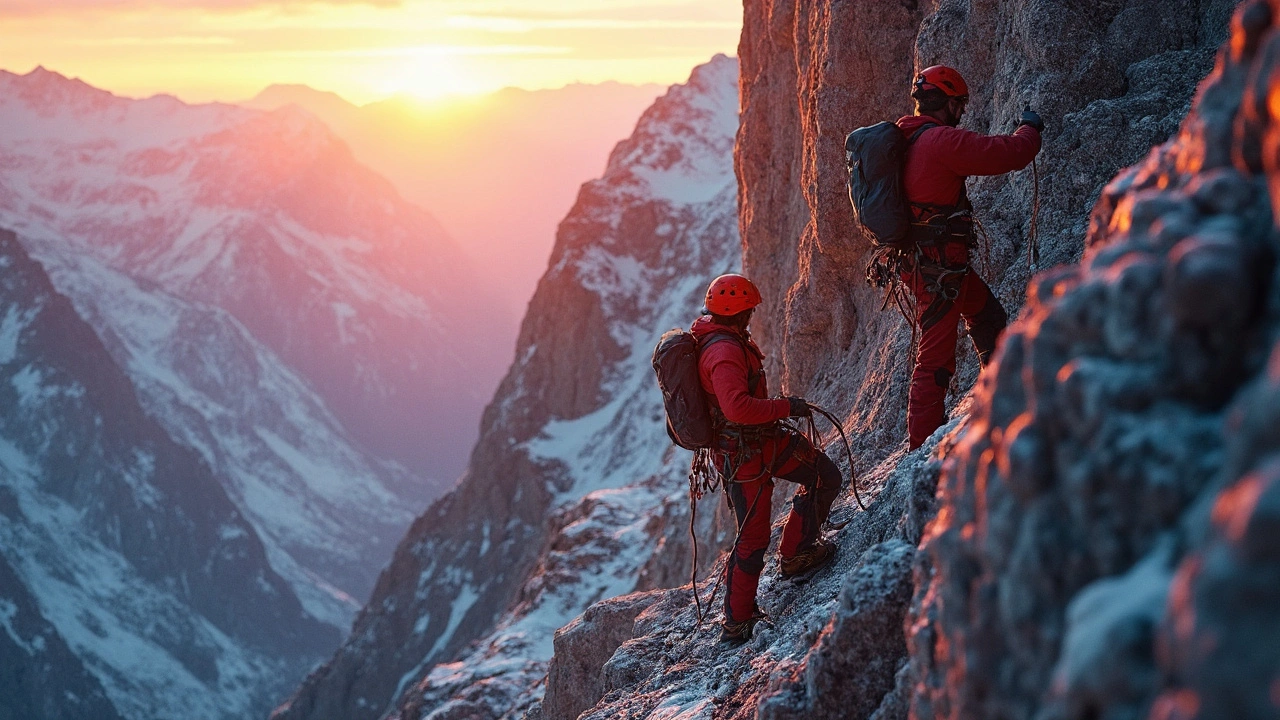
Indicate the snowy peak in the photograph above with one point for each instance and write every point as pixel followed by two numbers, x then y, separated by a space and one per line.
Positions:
pixel 44 106
pixel 267 216
pixel 682 148
pixel 49 92
pixel 299 346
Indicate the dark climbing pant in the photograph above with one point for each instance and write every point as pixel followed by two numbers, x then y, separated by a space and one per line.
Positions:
pixel 819 481
pixel 938 321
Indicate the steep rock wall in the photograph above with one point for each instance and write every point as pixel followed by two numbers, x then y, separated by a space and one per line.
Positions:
pixel 1112 80
pixel 1107 510
pixel 1107 87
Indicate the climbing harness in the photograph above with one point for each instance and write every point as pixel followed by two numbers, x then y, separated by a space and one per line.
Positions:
pixel 1033 231
pixel 703 474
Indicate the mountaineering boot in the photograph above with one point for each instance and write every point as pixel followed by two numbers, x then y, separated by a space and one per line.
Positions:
pixel 808 558
pixel 737 633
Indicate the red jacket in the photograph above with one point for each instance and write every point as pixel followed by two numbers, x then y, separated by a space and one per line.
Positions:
pixel 724 367
pixel 942 157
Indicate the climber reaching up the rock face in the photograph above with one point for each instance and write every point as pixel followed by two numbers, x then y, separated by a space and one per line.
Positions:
pixel 937 270
pixel 752 448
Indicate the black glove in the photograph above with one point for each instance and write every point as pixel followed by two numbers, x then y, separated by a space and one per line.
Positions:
pixel 1032 118
pixel 799 407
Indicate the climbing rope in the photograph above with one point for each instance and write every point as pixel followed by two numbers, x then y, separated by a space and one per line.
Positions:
pixel 984 238
pixel 1033 231
pixel 693 580
pixel 831 418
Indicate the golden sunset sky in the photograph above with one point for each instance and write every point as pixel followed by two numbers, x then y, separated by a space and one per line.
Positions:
pixel 364 50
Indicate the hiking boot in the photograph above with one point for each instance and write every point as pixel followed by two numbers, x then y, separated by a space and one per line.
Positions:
pixel 737 633
pixel 809 558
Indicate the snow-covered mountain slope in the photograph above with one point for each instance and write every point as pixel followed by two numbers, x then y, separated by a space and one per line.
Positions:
pixel 278 308
pixel 123 556
pixel 328 513
pixel 63 689
pixel 574 492
pixel 267 216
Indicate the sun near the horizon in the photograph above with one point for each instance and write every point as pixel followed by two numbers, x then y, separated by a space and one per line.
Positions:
pixel 364 50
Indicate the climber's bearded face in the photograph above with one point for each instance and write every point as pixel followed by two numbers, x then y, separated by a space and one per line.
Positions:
pixel 955 110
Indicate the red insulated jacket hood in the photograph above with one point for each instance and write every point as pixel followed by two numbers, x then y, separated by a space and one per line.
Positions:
pixel 942 157
pixel 724 368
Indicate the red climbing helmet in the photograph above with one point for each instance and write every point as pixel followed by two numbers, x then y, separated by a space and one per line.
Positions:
pixel 731 294
pixel 941 77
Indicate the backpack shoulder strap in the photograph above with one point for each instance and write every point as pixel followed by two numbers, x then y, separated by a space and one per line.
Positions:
pixel 920 131
pixel 753 379
pixel 720 336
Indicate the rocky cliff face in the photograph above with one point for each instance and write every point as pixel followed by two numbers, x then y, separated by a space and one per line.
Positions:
pixel 1098 545
pixel 132 585
pixel 574 493
pixel 1118 518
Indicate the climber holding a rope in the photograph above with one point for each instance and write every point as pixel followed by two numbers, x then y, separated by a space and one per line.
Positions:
pixel 917 170
pixel 747 442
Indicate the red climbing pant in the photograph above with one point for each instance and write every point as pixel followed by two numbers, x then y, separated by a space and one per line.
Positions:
pixel 937 319
pixel 751 501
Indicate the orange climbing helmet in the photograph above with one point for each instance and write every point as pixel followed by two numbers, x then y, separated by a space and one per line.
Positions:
pixel 941 77
pixel 731 294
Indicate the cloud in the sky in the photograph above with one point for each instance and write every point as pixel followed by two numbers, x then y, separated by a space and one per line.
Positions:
pixel 55 7
pixel 364 49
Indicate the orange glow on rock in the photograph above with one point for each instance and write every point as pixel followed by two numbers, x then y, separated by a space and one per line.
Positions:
pixel 1181 608
pixel 1122 219
pixel 1065 371
pixel 1235 506
pixel 1273 97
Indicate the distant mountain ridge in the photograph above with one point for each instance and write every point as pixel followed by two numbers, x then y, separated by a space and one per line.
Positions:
pixel 190 197
pixel 279 309
pixel 499 171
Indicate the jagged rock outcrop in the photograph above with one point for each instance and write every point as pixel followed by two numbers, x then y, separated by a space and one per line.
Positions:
pixel 573 494
pixel 574 679
pixel 1109 447
pixel 863 640
pixel 129 559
